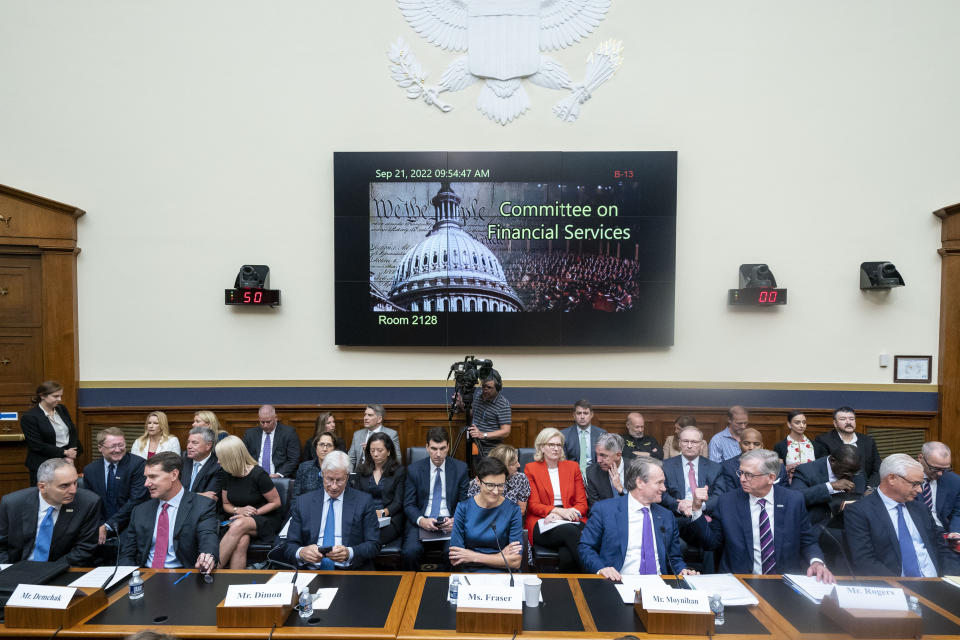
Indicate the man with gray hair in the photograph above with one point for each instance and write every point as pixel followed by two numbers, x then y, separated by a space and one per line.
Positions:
pixel 889 533
pixel 632 534
pixel 334 527
pixel 941 486
pixel 605 479
pixel 51 521
pixel 771 519
pixel 201 470
pixel 372 423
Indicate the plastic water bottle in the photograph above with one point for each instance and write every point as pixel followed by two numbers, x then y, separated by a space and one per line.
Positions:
pixel 915 606
pixel 454 589
pixel 306 604
pixel 136 586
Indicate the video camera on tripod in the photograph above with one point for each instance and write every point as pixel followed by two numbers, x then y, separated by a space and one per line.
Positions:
pixel 466 375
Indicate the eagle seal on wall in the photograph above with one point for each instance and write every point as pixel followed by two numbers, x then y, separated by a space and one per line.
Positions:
pixel 503 41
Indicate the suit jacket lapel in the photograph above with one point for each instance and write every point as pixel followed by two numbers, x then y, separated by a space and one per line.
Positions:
pixel 623 524
pixel 96 481
pixel 185 503
pixel 746 520
pixel 346 517
pixel 779 527
pixel 29 523
pixel 451 488
pixel 880 515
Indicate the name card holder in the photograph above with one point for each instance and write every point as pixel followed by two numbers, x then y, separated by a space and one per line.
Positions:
pixel 258 615
pixel 491 611
pixel 675 622
pixel 872 623
pixel 86 601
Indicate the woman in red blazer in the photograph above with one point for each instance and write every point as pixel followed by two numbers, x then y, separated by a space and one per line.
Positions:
pixel 557 494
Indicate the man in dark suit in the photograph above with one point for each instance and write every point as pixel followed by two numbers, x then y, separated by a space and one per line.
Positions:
pixel 845 432
pixel 174 528
pixel 679 469
pixel 606 477
pixel 275 446
pixel 53 520
pixel 786 543
pixel 118 479
pixel 614 541
pixel 435 485
pixel 941 487
pixel 827 483
pixel 581 433
pixel 750 439
pixel 201 471
pixel 336 516
pixel 890 534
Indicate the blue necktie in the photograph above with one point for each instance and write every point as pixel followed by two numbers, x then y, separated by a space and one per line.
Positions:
pixel 41 550
pixel 111 505
pixel 908 555
pixel 437 495
pixel 329 535
pixel 193 476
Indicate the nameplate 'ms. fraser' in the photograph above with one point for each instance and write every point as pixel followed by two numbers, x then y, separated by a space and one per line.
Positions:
pixel 41 597
pixel 484 597
pixel 258 595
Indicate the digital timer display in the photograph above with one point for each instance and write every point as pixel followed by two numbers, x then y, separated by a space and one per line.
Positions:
pixel 758 296
pixel 252 297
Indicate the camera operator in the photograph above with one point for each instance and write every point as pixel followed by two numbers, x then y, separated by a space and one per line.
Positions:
pixel 491 413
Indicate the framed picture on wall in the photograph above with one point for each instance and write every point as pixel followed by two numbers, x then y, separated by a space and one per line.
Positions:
pixel 912 368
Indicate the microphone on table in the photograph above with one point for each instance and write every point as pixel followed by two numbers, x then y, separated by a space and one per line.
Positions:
pixel 296 569
pixel 681 582
pixel 843 552
pixel 116 563
pixel 497 539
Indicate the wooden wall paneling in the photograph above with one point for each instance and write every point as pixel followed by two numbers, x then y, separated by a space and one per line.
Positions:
pixel 948 359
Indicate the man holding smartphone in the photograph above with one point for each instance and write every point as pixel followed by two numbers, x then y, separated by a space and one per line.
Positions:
pixel 434 487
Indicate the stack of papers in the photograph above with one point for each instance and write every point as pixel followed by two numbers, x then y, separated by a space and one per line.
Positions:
pixel 633 583
pixel 732 591
pixel 96 577
pixel 808 586
pixel 954 580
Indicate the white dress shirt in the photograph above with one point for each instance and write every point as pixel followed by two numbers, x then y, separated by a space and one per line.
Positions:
pixel 60 428
pixel 337 525
pixel 927 568
pixel 755 523
pixel 688 494
pixel 443 492
pixel 631 561
pixel 933 501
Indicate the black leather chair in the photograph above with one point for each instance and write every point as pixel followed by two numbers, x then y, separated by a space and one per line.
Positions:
pixel 524 455
pixel 545 560
pixel 416 453
pixel 259 547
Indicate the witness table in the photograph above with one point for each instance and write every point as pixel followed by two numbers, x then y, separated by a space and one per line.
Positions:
pixel 408 606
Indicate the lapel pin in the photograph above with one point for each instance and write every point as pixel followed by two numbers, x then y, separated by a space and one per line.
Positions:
pixel 779 506
pixel 69 510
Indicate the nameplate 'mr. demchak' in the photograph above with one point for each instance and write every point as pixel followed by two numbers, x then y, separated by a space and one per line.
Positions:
pixel 41 597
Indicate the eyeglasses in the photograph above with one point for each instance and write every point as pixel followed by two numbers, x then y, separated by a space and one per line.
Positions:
pixel 691 443
pixel 494 486
pixel 933 468
pixel 915 485
pixel 325 445
pixel 114 447
pixel 335 481
pixel 553 445
pixel 749 476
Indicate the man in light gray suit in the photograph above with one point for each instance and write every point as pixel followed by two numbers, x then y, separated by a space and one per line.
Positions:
pixel 372 423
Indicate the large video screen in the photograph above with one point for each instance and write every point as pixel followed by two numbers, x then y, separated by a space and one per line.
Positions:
pixel 505 248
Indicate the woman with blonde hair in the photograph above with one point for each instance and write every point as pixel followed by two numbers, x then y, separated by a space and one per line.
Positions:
pixel 156 437
pixel 209 419
pixel 248 498
pixel 557 495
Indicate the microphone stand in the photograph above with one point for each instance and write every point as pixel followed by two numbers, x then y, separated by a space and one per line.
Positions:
pixel 296 568
pixel 505 563
pixel 116 563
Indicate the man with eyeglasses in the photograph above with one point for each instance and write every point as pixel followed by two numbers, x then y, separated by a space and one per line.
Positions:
pixel 689 475
pixel 771 519
pixel 118 479
pixel 889 533
pixel 940 491
pixel 334 527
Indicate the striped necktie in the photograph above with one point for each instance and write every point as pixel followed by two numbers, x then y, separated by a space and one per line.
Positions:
pixel 767 562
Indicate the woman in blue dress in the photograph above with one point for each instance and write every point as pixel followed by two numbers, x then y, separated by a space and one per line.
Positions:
pixel 481 521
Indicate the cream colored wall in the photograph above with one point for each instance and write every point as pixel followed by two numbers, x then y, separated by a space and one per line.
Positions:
pixel 199 136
